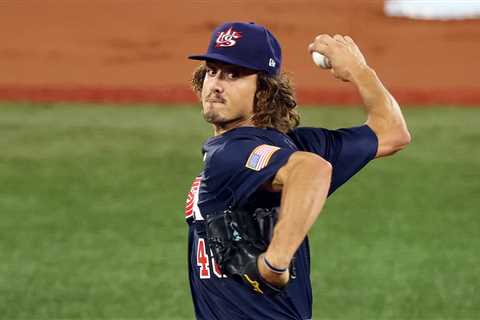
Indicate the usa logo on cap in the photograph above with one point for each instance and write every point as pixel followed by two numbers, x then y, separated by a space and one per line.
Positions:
pixel 247 45
pixel 227 39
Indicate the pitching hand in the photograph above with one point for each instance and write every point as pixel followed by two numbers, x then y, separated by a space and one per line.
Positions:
pixel 345 57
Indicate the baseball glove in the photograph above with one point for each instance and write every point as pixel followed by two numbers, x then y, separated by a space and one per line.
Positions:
pixel 236 239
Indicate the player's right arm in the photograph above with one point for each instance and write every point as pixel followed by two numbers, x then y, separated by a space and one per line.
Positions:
pixel 384 116
pixel 304 182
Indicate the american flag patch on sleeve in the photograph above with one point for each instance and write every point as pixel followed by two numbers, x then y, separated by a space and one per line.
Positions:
pixel 260 156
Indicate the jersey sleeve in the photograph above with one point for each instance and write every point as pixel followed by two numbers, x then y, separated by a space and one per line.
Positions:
pixel 237 169
pixel 348 149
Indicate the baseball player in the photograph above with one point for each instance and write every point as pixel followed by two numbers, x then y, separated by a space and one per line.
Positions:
pixel 265 180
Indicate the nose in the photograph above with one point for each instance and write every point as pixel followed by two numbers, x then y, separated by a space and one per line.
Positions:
pixel 216 84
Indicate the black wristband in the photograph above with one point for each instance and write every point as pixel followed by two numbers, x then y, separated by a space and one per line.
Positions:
pixel 272 268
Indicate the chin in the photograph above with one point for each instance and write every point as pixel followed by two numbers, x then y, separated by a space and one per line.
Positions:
pixel 212 112
pixel 213 117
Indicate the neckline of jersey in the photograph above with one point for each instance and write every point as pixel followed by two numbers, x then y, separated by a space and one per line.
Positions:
pixel 226 133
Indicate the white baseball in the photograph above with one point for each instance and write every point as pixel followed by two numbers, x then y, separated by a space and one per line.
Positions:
pixel 320 60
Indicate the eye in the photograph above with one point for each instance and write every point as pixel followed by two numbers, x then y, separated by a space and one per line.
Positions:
pixel 232 75
pixel 211 72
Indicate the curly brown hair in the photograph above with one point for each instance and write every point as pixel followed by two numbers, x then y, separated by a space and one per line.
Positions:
pixel 274 104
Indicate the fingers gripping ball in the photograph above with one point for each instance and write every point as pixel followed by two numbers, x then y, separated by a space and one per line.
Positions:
pixel 321 61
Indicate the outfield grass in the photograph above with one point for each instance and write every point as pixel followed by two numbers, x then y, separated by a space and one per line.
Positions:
pixel 92 227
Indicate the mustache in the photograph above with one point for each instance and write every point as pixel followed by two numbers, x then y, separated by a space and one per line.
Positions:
pixel 215 98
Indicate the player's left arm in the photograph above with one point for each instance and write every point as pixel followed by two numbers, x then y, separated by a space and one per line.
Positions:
pixel 304 182
pixel 384 115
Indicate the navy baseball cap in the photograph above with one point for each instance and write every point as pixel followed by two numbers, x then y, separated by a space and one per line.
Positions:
pixel 247 45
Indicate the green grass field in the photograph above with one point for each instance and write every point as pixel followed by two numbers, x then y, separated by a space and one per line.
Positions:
pixel 92 227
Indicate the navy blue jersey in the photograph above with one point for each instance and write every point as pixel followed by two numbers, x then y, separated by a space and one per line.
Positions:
pixel 236 165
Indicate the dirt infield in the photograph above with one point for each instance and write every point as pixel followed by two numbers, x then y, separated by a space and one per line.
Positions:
pixel 123 51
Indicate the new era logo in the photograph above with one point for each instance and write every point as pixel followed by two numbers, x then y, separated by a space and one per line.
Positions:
pixel 272 63
pixel 227 38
